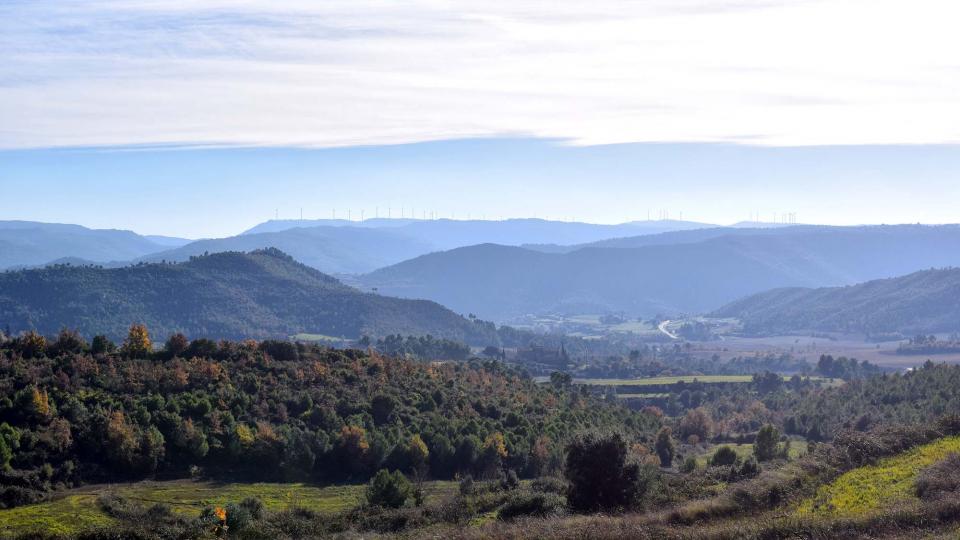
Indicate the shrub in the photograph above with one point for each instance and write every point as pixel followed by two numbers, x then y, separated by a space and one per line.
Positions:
pixel 388 489
pixel 466 485
pixel 749 468
pixel 939 478
pixel 689 465
pixel 600 478
pixel 532 504
pixel 723 456
pixel 549 484
pixel 765 448
pixel 664 447
pixel 238 517
pixel 254 506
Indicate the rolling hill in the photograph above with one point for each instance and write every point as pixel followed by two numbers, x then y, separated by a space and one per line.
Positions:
pixel 922 302
pixel 226 295
pixel 30 243
pixel 503 282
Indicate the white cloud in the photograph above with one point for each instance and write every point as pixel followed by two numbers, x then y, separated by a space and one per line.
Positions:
pixel 333 73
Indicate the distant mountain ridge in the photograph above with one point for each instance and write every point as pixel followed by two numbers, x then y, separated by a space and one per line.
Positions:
pixel 334 250
pixel 28 243
pixel 226 295
pixel 453 233
pixel 502 283
pixel 332 246
pixel 922 302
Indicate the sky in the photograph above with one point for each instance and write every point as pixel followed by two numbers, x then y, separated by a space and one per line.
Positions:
pixel 202 117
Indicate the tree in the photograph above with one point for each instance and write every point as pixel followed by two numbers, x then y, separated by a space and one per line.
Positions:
pixel 417 452
pixel 600 477
pixel 664 447
pixel 381 408
pixel 32 345
pixel 102 345
pixel 765 447
pixel 6 454
pixel 388 489
pixel 69 341
pixel 696 422
pixel 137 344
pixel 176 344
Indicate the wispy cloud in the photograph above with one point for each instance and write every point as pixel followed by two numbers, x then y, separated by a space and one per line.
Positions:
pixel 336 73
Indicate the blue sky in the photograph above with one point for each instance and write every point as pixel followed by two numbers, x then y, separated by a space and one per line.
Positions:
pixel 842 111
pixel 217 192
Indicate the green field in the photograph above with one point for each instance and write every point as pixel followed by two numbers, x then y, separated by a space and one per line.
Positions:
pixel 706 379
pixel 653 381
pixel 870 489
pixel 77 509
pixel 744 451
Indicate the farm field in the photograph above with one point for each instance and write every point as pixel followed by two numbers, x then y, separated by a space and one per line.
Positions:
pixel 872 488
pixel 78 509
pixel 657 381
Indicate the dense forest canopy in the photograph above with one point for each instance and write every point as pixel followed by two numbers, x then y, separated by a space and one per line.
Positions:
pixel 260 294
pixel 925 302
pixel 273 410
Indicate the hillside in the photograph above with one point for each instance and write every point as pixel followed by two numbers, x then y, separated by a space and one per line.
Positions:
pixel 226 295
pixel 330 249
pixel 922 302
pixel 501 282
pixel 28 243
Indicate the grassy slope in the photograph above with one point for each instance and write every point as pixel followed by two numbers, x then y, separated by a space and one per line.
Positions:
pixel 78 509
pixel 868 489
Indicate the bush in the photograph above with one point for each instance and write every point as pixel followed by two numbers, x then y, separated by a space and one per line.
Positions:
pixel 600 478
pixel 466 485
pixel 723 456
pixel 940 478
pixel 749 468
pixel 238 517
pixel 254 506
pixel 388 489
pixel 765 448
pixel 689 465
pixel 549 484
pixel 532 504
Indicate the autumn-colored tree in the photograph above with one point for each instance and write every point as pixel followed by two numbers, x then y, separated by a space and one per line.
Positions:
pixel 32 345
pixel 495 443
pixel 176 344
pixel 122 444
pixel 696 422
pixel 40 403
pixel 138 343
pixel 354 440
pixel 417 452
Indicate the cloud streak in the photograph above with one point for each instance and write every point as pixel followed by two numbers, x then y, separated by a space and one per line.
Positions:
pixel 297 73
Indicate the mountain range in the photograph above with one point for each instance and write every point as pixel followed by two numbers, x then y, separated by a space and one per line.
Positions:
pixel 678 272
pixel 922 302
pixel 231 295
pixel 30 243
pixel 331 246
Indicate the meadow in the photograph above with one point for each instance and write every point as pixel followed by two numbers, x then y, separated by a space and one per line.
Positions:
pixel 78 509
pixel 870 489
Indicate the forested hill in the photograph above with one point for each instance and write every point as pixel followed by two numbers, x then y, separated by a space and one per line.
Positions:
pixel 260 294
pixel 925 302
